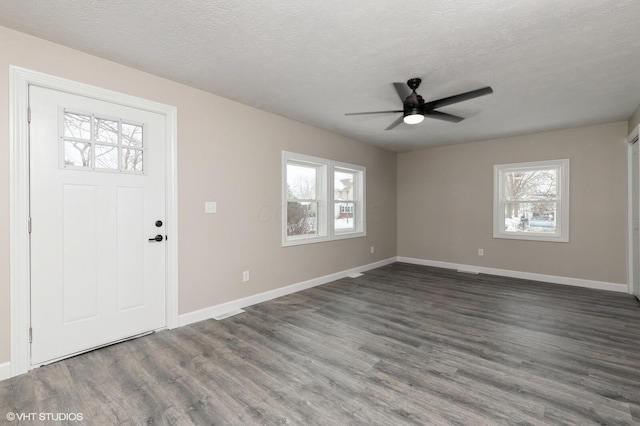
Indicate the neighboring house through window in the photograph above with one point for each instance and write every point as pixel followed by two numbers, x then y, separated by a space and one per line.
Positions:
pixel 531 201
pixel 323 199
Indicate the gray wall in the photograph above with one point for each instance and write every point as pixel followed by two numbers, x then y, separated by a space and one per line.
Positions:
pixel 445 204
pixel 229 153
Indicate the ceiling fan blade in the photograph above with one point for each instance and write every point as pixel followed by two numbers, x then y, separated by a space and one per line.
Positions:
pixel 403 90
pixel 458 98
pixel 373 112
pixel 395 123
pixel 443 116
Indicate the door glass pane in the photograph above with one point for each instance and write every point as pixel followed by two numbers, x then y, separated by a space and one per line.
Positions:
pixel 132 135
pixel 101 144
pixel 302 218
pixel 107 157
pixel 106 131
pixel 77 154
pixel 344 216
pixel 132 159
pixel 77 126
pixel 301 182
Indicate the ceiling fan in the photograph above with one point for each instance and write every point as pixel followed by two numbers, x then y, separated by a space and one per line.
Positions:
pixel 415 109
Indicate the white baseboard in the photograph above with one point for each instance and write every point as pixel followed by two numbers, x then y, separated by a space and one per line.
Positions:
pixel 5 370
pixel 207 313
pixel 577 282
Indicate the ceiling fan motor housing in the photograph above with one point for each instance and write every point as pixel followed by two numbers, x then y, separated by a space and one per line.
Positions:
pixel 413 104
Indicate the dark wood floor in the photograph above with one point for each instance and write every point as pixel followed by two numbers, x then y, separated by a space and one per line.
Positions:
pixel 402 344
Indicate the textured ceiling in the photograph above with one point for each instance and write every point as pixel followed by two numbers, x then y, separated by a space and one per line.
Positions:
pixel 552 64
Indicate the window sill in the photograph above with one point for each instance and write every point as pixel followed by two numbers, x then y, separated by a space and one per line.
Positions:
pixel 304 240
pixel 346 235
pixel 533 237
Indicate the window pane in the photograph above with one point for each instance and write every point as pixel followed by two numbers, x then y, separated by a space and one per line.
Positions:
pixel 530 217
pixel 344 216
pixel 107 157
pixel 302 218
pixel 132 159
pixel 77 154
pixel 531 185
pixel 106 131
pixel 343 186
pixel 301 182
pixel 132 135
pixel 77 126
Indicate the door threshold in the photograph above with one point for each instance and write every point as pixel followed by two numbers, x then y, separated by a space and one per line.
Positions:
pixel 95 348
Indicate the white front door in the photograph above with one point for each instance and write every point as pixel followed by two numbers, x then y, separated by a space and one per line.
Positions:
pixel 97 175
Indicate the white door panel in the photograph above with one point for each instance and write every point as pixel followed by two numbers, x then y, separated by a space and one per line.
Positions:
pixel 130 233
pixel 95 276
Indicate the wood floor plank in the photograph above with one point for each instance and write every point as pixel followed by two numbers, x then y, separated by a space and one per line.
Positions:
pixel 400 345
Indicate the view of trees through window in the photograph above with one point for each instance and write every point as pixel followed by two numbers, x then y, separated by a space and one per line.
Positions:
pixel 97 143
pixel 302 199
pixel 323 200
pixel 531 200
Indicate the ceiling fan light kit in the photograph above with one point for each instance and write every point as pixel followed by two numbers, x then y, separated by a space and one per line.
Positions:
pixel 414 118
pixel 415 108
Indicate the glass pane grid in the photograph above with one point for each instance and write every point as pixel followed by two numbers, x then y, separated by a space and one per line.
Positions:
pixel 530 185
pixel 132 135
pixel 530 200
pixel 107 157
pixel 343 183
pixel 132 159
pixel 77 154
pixel 531 217
pixel 104 144
pixel 344 216
pixel 77 126
pixel 302 218
pixel 107 131
pixel 302 181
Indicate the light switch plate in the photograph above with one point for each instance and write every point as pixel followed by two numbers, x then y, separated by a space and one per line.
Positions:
pixel 210 207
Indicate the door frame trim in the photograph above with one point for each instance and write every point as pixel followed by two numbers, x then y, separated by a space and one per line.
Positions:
pixel 19 248
pixel 630 254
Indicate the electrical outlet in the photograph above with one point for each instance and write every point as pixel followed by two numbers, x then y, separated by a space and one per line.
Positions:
pixel 245 276
pixel 210 207
pixel 372 249
pixel 480 252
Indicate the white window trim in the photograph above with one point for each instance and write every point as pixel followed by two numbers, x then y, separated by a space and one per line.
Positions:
pixel 562 221
pixel 321 191
pixel 359 201
pixel 326 229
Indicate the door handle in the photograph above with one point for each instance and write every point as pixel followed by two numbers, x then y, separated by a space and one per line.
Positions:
pixel 156 238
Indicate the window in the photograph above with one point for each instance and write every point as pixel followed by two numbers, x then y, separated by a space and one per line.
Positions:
pixel 104 144
pixel 347 205
pixel 306 200
pixel 323 200
pixel 531 201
